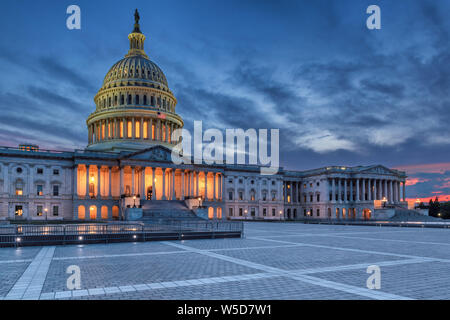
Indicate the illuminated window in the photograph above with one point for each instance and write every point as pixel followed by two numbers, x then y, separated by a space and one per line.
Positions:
pixel 145 130
pixel 40 190
pixel 137 129
pixel 163 132
pixel 19 191
pixel 18 211
pixel 39 211
pixel 129 129
pixel 153 132
pixel 121 129
pixel 103 131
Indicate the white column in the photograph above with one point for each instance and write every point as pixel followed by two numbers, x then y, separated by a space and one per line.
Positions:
pixel 141 128
pixel 339 189
pixel 153 183
pixel 164 183
pixel 391 193
pixel 197 190
pixel 345 190
pixel 121 181
pixel 87 181
pixel 206 185
pixel 98 181
pixel 357 191
pixel 132 181
pixel 109 182
pixel 143 193
pixel 182 185
pixel 351 190
pixel 75 181
pixel 174 197
pixel 370 189
pixel 333 190
pixel 214 186
pixel 363 181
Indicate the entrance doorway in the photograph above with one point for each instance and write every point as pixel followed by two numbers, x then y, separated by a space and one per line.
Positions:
pixel 367 214
pixel 149 193
pixel 18 211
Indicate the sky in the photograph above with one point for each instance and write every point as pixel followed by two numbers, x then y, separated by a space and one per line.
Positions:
pixel 340 94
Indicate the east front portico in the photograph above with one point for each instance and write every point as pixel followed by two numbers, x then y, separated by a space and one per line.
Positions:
pixel 106 186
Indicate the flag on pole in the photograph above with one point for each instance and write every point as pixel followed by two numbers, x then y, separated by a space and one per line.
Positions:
pixel 161 115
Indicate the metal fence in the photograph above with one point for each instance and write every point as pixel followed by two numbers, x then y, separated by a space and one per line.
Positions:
pixel 21 235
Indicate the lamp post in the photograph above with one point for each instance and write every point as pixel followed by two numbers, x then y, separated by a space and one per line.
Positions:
pixel 384 200
pixel 45 213
pixel 134 201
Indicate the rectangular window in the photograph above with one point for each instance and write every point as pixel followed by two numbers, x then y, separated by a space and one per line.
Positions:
pixel 318 198
pixel 137 129
pixel 145 130
pixel 252 211
pixel 55 191
pixel 121 129
pixel 241 196
pixel 318 212
pixel 230 195
pixel 19 191
pixel 40 171
pixel 39 211
pixel 18 211
pixel 40 190
pixel 273 212
pixel 129 129
pixel 55 210
pixel 264 212
pixel 230 211
pixel 240 212
pixel 56 172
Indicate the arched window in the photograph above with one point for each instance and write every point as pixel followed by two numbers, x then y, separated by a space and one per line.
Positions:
pixel 145 100
pixel 115 212
pixel 136 100
pixel 122 99
pixel 93 212
pixel 152 101
pixel 81 212
pixel 129 99
pixel 211 213
pixel 104 212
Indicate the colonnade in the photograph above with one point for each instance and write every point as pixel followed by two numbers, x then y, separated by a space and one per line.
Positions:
pixel 134 128
pixel 366 189
pixel 151 183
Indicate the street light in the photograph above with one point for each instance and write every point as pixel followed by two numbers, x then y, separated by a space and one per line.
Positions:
pixel 45 213
pixel 384 200
pixel 134 200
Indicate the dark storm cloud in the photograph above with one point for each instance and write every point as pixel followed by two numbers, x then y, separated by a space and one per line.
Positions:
pixel 54 68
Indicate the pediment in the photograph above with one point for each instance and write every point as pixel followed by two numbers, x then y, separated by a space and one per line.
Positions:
pixel 155 153
pixel 379 170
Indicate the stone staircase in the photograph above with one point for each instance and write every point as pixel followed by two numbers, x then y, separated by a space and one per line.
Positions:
pixel 404 214
pixel 164 210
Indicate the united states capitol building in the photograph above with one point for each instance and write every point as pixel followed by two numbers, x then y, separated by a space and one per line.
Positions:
pixel 127 165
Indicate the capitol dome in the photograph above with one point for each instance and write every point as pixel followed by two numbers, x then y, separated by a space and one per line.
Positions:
pixel 135 108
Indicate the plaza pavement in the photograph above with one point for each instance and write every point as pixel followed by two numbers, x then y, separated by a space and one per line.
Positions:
pixel 271 261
